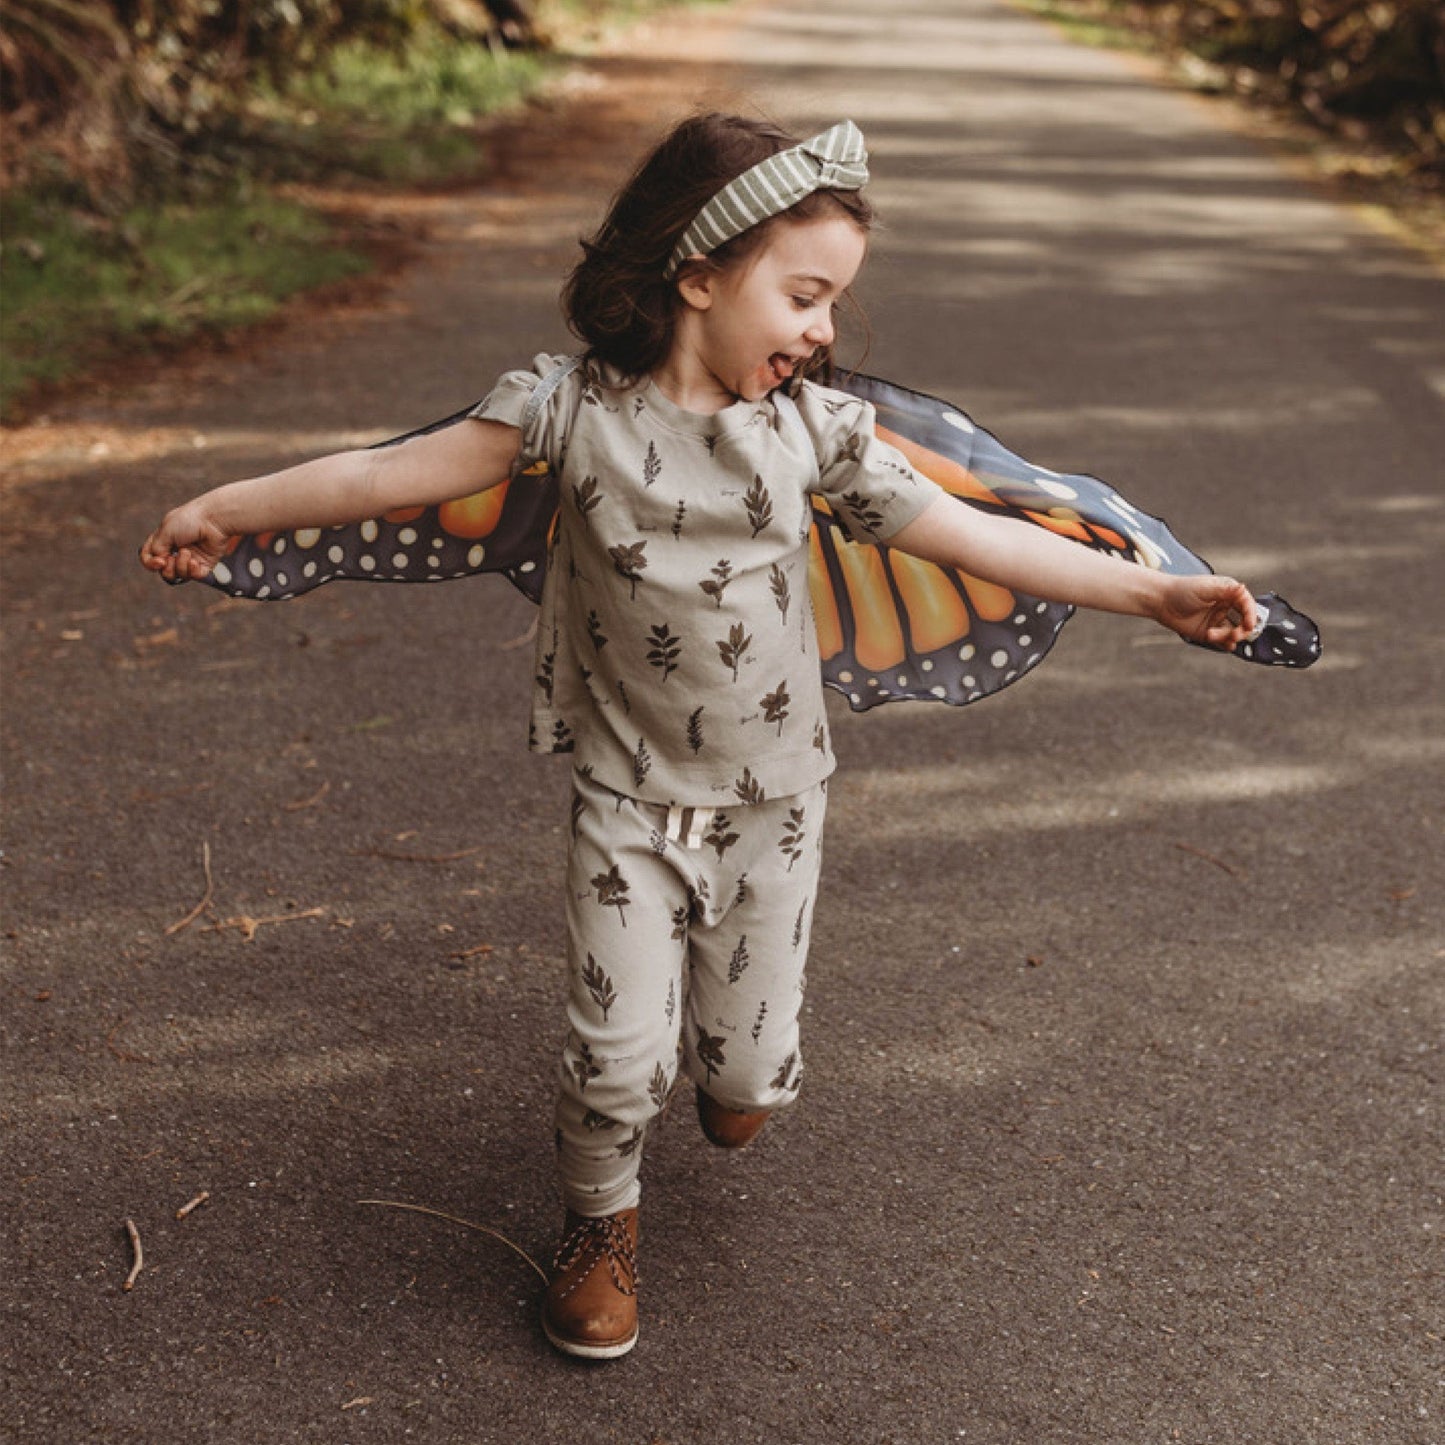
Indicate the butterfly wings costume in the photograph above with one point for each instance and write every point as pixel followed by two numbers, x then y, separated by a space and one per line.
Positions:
pixel 890 626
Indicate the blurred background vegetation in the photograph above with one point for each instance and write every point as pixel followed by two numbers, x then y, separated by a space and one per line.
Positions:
pixel 155 155
pixel 163 162
pixel 1367 72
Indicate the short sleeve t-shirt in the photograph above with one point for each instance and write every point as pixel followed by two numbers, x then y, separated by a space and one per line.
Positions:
pixel 676 651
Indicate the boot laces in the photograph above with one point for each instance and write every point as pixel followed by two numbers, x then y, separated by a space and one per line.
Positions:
pixel 591 1240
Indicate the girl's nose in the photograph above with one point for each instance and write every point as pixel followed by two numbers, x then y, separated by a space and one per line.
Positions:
pixel 821 332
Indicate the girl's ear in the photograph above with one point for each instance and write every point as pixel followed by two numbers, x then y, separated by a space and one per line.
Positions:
pixel 695 284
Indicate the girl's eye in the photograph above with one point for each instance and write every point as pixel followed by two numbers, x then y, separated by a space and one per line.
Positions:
pixel 804 303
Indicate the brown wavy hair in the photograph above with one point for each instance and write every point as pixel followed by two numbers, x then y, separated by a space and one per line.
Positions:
pixel 617 299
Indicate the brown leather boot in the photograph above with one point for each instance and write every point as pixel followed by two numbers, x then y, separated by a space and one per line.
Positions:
pixel 728 1128
pixel 591 1304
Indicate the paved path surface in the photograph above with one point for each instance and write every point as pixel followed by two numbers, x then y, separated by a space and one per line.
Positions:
pixel 1123 1113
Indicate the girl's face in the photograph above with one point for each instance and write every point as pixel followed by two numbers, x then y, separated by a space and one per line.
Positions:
pixel 747 328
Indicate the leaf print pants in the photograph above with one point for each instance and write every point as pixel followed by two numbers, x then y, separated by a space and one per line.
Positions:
pixel 678 955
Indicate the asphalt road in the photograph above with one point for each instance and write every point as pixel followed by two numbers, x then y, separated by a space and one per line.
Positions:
pixel 1123 1112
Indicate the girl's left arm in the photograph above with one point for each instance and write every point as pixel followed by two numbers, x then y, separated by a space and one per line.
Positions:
pixel 1217 611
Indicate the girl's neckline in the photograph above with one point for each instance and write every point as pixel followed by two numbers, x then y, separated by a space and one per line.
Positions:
pixel 730 419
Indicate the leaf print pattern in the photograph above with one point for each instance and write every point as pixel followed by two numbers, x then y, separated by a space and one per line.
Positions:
pixel 630 561
pixel 629 1146
pixel 789 1076
pixel 592 1121
pixel 594 630
pixel 651 465
pixel 820 738
pixel 599 985
pixel 775 705
pixel 680 916
pixel 720 836
pixel 748 789
pixel 586 496
pixel 759 505
pixel 562 741
pixel 711 1050
pixel 546 674
pixel 677 519
pixel 778 581
pixel 735 648
pixel 671 1000
pixel 641 763
pixel 592 396
pixel 666 647
pixel 612 890
pixel 791 843
pixel 583 1066
pixel 622 694
pixel 657 1086
pixel 798 927
pixel 714 586
pixel 867 517
pixel 738 963
pixel 741 896
pixel 758 1022
pixel 694 730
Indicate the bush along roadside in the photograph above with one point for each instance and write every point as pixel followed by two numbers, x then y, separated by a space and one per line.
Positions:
pixel 214 241
pixel 82 288
pixel 200 221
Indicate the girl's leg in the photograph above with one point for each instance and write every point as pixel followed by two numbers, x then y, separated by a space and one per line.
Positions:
pixel 625 941
pixel 749 952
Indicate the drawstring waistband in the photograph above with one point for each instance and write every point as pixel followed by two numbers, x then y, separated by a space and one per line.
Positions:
pixel 687 825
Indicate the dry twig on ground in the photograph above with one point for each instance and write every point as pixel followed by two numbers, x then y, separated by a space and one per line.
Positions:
pixel 396 857
pixel 136 1250
pixel 474 951
pixel 249 925
pixel 465 1223
pixel 205 902
pixel 1209 858
pixel 310 802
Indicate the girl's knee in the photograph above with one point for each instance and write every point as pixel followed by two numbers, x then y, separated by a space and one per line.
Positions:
pixel 739 1075
pixel 608 1092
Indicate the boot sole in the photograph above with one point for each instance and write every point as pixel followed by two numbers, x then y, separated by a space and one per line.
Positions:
pixel 582 1351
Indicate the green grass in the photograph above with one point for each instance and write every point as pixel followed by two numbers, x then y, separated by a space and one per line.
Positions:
pixel 403 116
pixel 216 247
pixel 78 289
pixel 1089 24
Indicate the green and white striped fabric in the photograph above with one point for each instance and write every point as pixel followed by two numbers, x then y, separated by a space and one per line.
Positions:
pixel 836 159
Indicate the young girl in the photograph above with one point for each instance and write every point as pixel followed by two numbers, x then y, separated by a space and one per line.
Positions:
pixel 676 655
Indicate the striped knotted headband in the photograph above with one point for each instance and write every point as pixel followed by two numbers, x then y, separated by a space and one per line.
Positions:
pixel 836 159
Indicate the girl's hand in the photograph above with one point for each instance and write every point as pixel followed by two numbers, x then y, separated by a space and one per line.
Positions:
pixel 187 544
pixel 1214 611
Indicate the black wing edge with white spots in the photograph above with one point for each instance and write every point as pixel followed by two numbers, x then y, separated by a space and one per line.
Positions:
pixel 890 627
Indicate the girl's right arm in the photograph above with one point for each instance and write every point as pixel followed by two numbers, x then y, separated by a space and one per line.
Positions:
pixel 345 487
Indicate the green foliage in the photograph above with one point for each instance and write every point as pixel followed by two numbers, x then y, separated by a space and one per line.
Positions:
pixel 1372 68
pixel 435 79
pixel 402 114
pixel 79 288
pixel 138 139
